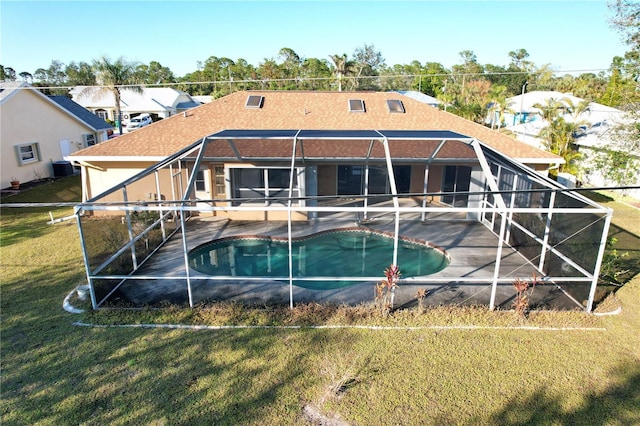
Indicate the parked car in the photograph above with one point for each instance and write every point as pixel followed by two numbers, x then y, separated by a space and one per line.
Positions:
pixel 139 121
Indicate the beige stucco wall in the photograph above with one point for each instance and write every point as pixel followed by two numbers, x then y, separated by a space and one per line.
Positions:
pixel 101 176
pixel 26 118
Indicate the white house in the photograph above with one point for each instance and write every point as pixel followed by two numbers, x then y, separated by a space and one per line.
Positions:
pixel 159 102
pixel 526 122
pixel 38 131
pixel 420 97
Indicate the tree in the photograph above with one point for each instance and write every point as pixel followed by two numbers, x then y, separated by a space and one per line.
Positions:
pixel 315 74
pixel 154 73
pixel 7 73
pixel 366 63
pixel 499 104
pixel 26 77
pixel 626 20
pixel 621 156
pixel 518 58
pixel 243 73
pixel 559 136
pixel 55 74
pixel 269 73
pixel 112 76
pixel 290 66
pixel 342 67
pixel 80 74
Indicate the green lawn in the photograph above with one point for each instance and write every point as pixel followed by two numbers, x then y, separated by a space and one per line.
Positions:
pixel 488 370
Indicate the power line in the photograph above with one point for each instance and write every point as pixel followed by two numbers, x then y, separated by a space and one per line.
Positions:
pixel 312 79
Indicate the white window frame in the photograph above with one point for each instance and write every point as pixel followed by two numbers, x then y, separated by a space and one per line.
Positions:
pixel 32 155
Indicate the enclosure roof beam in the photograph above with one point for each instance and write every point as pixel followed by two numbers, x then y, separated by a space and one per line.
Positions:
pixel 234 148
pixel 196 167
pixel 493 185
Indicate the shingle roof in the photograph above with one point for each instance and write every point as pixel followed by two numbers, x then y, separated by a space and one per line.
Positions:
pixel 81 113
pixel 301 110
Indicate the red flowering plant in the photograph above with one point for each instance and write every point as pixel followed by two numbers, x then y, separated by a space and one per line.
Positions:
pixel 385 289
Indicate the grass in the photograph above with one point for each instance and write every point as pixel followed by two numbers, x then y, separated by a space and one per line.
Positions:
pixel 55 372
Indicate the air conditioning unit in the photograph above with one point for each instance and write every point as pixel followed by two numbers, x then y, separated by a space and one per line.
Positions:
pixel 89 139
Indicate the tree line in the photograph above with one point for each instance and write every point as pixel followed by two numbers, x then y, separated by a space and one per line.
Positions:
pixel 466 87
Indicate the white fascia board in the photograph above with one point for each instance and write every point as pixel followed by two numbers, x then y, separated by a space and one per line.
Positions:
pixel 114 159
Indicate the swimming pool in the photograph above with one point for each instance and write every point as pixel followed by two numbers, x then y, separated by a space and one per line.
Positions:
pixel 344 253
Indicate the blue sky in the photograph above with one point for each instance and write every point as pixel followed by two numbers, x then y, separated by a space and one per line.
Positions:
pixel 568 35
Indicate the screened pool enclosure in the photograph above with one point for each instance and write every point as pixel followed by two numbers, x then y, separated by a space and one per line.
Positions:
pixel 155 238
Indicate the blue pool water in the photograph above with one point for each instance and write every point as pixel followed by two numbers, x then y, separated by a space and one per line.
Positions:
pixel 340 253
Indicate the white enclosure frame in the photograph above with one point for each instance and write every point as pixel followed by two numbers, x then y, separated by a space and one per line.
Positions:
pixel 181 205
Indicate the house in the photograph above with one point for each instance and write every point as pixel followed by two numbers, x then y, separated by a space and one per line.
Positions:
pixel 338 168
pixel 419 96
pixel 159 102
pixel 261 164
pixel 526 122
pixel 597 141
pixel 38 131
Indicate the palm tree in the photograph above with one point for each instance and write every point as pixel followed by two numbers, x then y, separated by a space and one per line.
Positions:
pixel 499 104
pixel 551 109
pixel 112 77
pixel 559 138
pixel 342 67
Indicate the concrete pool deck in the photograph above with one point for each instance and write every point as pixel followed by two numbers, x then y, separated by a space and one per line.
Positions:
pixel 471 245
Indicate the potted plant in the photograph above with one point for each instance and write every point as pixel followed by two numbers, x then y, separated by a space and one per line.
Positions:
pixel 15 183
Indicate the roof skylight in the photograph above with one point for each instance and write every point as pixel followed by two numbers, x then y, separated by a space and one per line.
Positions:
pixel 395 105
pixel 254 101
pixel 356 105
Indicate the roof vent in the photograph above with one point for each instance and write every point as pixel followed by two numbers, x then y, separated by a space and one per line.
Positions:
pixel 395 105
pixel 254 101
pixel 356 105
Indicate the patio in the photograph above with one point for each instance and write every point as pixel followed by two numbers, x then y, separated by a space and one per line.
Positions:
pixel 466 281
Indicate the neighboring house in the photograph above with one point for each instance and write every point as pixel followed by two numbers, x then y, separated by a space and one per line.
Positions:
pixel 525 121
pixel 159 102
pixel 203 99
pixel 421 97
pixel 332 167
pixel 37 131
pixel 593 137
pixel 597 141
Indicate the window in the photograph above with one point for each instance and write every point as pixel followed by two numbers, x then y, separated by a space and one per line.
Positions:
pixel 351 179
pixel 254 101
pixel 218 172
pixel 256 184
pixel 102 114
pixel 201 184
pixel 356 105
pixel 28 153
pixel 395 105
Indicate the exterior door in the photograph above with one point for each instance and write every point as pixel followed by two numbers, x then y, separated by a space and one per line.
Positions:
pixel 456 179
pixel 203 186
